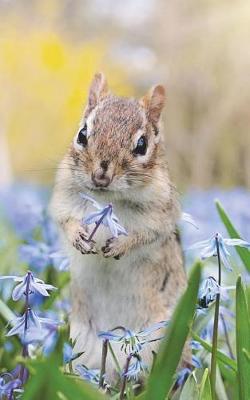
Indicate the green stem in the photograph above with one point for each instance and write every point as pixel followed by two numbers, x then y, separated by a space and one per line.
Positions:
pixel 114 358
pixel 215 329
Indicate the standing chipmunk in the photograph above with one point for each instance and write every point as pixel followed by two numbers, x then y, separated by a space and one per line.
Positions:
pixel 118 157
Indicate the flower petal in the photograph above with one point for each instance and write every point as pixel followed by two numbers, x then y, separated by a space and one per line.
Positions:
pixel 19 291
pixel 236 242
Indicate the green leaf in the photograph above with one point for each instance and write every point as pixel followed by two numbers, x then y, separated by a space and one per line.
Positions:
pixel 48 382
pixel 205 388
pixel 220 356
pixel 233 233
pixel 161 377
pixel 190 389
pixel 242 341
pixel 6 312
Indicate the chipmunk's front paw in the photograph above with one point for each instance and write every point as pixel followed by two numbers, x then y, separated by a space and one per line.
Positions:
pixel 114 248
pixel 82 244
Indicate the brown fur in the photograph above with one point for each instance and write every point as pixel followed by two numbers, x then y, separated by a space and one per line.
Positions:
pixel 143 286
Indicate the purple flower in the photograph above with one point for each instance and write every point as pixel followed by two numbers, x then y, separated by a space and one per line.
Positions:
pixel 105 216
pixel 7 388
pixel 196 361
pixel 195 345
pixel 30 327
pixel 36 254
pixel 135 368
pixel 90 375
pixel 132 341
pixel 39 255
pixel 209 247
pixel 36 286
pixel 182 376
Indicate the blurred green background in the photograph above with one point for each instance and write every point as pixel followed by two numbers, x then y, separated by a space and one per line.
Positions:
pixel 50 49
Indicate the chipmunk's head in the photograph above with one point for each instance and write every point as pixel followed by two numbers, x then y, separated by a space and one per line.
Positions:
pixel 117 145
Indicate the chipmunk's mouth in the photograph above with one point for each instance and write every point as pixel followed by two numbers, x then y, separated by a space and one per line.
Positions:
pixel 98 188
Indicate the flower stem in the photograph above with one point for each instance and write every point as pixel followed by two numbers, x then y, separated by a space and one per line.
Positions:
pixel 103 364
pixel 124 382
pixel 98 223
pixel 25 352
pixel 215 328
pixel 114 358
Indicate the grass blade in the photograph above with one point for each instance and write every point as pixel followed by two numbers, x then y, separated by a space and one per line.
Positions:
pixel 233 233
pixel 242 341
pixel 161 377
pixel 205 388
pixel 220 356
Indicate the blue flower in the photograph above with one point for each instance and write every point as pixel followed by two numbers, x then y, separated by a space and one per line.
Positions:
pixel 182 376
pixel 40 255
pixel 36 254
pixel 24 209
pixel 36 286
pixel 228 322
pixel 135 369
pixel 196 361
pixel 195 345
pixel 209 247
pixel 209 290
pixel 68 354
pixel 90 375
pixel 59 260
pixel 132 341
pixel 105 216
pixel 30 327
pixel 7 388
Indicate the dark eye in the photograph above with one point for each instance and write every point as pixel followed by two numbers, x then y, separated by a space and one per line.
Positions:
pixel 141 147
pixel 82 136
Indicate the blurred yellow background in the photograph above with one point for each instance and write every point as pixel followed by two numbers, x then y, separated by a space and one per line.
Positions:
pixel 50 49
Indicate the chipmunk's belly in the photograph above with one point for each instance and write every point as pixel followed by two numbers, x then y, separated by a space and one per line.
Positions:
pixel 107 294
pixel 112 294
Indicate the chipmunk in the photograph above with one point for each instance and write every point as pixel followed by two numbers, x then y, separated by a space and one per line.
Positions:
pixel 118 156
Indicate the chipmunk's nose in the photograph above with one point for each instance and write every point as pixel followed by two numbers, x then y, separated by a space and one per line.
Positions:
pixel 101 177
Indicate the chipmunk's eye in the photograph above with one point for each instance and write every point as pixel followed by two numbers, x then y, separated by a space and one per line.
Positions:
pixel 82 136
pixel 141 147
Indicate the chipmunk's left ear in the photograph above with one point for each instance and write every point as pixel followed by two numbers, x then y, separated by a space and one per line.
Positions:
pixel 153 102
pixel 98 90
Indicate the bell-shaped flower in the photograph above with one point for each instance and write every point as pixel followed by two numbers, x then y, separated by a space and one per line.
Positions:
pixel 132 341
pixel 217 243
pixel 209 290
pixel 135 368
pixel 34 285
pixel 30 327
pixel 105 216
pixel 90 375
pixel 7 388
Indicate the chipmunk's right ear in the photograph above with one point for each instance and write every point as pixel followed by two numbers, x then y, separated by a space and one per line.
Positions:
pixel 98 90
pixel 153 102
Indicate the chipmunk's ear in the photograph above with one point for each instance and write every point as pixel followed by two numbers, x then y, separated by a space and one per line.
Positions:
pixel 153 102
pixel 98 90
